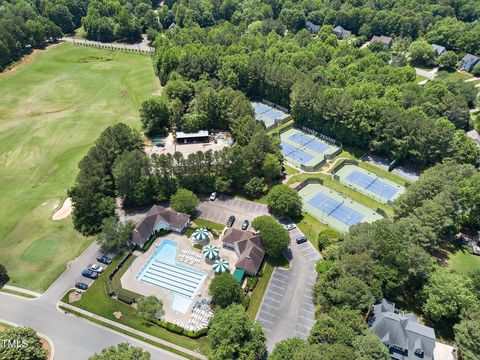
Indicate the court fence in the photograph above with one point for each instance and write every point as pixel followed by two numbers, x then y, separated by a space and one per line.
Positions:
pixel 308 181
pixel 115 47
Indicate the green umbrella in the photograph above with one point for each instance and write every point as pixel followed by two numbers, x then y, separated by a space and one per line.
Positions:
pixel 220 266
pixel 200 235
pixel 210 252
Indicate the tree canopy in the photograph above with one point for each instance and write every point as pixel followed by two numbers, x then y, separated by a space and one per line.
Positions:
pixel 184 201
pixel 123 351
pixel 225 290
pixel 284 200
pixel 25 336
pixel 150 308
pixel 274 236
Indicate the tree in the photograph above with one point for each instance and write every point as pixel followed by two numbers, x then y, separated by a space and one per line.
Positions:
pixel 284 200
pixel 155 116
pixel 131 172
pixel 271 167
pixel 476 70
pixel 150 308
pixel 274 236
pixel 4 278
pixel 448 60
pixel 447 294
pixel 123 351
pixel 254 187
pixel 467 333
pixel 370 347
pixel 421 52
pixel 327 237
pixel 115 234
pixel 234 336
pixel 184 201
pixel 286 349
pixel 225 290
pixel 24 335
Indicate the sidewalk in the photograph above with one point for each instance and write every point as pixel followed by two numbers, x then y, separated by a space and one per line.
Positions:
pixel 21 290
pixel 133 331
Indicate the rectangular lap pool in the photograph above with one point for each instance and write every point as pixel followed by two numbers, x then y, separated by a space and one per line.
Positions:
pixel 162 270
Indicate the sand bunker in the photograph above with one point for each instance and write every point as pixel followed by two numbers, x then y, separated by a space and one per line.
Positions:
pixel 64 211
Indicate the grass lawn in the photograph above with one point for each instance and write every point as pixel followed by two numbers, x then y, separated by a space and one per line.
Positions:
pixel 14 292
pixel 419 78
pixel 386 174
pixel 96 300
pixel 311 227
pixel 455 75
pixel 335 185
pixel 464 262
pixel 257 294
pixel 208 224
pixel 52 109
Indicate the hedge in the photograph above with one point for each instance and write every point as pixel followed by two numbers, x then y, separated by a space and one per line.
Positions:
pixel 251 283
pixel 246 302
pixel 179 330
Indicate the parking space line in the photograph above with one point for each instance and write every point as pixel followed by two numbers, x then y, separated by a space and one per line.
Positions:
pixel 277 273
pixel 272 299
pixel 270 290
pixel 262 310
pixel 262 319
pixel 276 279
pixel 279 287
pixel 272 311
pixel 306 319
pixel 307 329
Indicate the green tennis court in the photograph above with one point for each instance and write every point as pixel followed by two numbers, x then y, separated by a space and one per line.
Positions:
pixel 335 209
pixel 368 183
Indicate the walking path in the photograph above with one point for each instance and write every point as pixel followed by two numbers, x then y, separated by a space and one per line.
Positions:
pixel 142 47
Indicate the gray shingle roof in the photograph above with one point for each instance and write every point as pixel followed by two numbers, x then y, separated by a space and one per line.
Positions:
pixel 387 40
pixel 250 250
pixel 401 333
pixel 438 49
pixel 469 61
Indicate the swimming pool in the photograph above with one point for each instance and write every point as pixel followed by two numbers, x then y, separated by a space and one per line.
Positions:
pixel 162 270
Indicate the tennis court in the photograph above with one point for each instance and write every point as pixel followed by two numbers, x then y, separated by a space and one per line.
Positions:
pixel 301 148
pixel 370 184
pixel 268 114
pixel 335 209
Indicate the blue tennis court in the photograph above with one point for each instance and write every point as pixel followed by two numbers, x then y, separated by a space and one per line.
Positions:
pixel 295 153
pixel 373 184
pixel 312 144
pixel 274 114
pixel 259 108
pixel 336 209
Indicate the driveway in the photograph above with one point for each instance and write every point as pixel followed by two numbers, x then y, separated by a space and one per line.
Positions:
pixel 219 210
pixel 287 309
pixel 428 74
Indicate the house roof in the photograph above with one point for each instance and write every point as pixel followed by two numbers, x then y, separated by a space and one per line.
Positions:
pixel 387 40
pixel 183 135
pixel 153 217
pixel 312 27
pixel 401 332
pixel 341 31
pixel 438 49
pixel 250 249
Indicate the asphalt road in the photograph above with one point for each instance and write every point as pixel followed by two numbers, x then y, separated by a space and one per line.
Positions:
pixel 219 210
pixel 73 338
pixel 287 309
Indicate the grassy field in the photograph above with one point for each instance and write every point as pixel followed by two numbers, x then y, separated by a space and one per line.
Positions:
pixel 52 109
pixel 455 75
pixel 464 262
pixel 96 300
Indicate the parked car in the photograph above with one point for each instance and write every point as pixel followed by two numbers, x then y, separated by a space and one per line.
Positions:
pixel 301 239
pixel 230 221
pixel 213 196
pixel 245 225
pixel 104 260
pixel 81 285
pixel 89 273
pixel 290 227
pixel 97 268
pixel 159 144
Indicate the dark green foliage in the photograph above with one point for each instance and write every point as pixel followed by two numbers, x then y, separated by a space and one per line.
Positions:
pixel 225 290
pixel 286 349
pixel 155 116
pixel 246 302
pixel 4 278
pixel 233 335
pixel 123 351
pixel 94 189
pixel 184 201
pixel 254 187
pixel 327 237
pixel 33 350
pixel 150 308
pixel 275 238
pixel 115 234
pixel 467 333
pixel 284 200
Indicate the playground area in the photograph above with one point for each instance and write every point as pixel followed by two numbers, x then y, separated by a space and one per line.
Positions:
pixel 368 183
pixel 269 115
pixel 305 150
pixel 333 208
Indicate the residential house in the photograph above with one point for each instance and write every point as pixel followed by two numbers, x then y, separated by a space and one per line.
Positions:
pixel 438 49
pixel 248 248
pixel 386 40
pixel 312 28
pixel 405 338
pixel 156 219
pixel 469 61
pixel 340 32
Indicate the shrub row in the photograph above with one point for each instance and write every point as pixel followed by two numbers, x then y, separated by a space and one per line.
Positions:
pixel 251 283
pixel 181 331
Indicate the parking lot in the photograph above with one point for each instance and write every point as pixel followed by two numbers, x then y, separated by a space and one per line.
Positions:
pixel 219 210
pixel 288 309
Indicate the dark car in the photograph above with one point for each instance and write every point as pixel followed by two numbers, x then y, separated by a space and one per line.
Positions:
pixel 301 239
pixel 245 225
pixel 104 259
pixel 89 274
pixel 160 144
pixel 81 285
pixel 230 221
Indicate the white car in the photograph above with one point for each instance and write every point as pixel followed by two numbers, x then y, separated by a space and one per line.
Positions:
pixel 290 227
pixel 96 268
pixel 213 196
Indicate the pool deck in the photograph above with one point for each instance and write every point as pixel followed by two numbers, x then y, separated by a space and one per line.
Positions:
pixel 130 282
